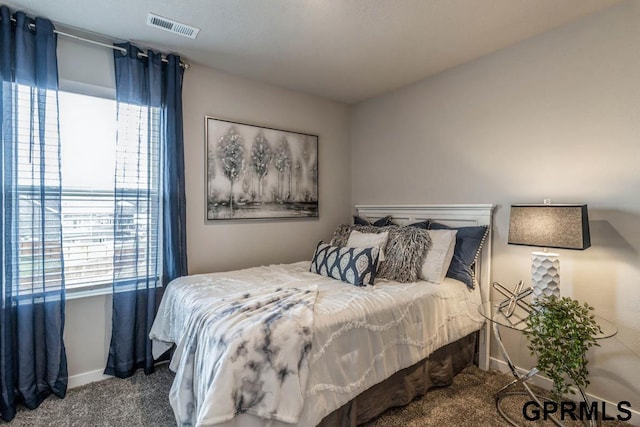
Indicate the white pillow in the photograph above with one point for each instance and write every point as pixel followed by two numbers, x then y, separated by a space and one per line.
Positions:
pixel 368 240
pixel 438 258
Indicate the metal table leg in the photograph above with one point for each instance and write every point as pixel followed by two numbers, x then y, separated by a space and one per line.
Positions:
pixel 519 379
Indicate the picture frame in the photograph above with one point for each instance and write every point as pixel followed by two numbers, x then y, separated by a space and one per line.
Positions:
pixel 257 172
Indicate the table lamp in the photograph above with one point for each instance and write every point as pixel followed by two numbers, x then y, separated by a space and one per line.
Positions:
pixel 548 226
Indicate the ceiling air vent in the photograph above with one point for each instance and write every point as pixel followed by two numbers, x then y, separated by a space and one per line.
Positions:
pixel 172 26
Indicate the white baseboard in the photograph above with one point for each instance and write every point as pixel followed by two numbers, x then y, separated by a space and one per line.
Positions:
pixel 87 377
pixel 547 384
pixel 94 376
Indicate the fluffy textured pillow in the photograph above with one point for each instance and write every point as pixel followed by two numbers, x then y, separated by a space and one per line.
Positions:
pixel 357 266
pixel 368 240
pixel 437 261
pixel 405 252
pixel 382 222
pixel 469 241
pixel 341 235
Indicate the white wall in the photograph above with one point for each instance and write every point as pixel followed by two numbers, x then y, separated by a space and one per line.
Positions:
pixel 557 116
pixel 222 245
pixel 227 245
pixel 87 333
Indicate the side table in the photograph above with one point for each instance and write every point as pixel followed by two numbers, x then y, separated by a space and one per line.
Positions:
pixel 518 321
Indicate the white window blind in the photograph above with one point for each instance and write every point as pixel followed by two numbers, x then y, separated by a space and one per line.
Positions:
pixel 137 176
pixel 88 129
pixel 37 259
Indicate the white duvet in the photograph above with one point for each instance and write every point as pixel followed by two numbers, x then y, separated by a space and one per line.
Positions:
pixel 361 335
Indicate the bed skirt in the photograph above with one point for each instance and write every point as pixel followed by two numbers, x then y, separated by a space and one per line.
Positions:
pixel 437 370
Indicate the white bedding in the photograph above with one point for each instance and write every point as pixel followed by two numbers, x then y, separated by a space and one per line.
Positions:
pixel 361 335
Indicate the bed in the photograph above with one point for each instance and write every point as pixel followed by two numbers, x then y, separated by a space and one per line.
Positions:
pixel 315 350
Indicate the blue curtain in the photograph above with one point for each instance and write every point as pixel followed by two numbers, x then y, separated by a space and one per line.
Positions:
pixel 150 233
pixel 33 362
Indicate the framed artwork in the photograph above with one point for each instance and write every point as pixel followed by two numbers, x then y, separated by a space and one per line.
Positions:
pixel 255 172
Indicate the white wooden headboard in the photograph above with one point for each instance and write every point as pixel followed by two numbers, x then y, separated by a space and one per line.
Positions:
pixel 454 216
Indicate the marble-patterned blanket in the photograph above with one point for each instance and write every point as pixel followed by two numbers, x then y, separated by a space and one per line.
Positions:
pixel 244 353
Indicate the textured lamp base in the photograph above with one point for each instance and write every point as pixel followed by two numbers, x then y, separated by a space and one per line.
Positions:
pixel 545 274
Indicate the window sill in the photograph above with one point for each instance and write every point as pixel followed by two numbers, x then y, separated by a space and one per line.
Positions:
pixel 81 293
pixel 97 290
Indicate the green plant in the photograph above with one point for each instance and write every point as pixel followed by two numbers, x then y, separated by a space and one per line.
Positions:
pixel 560 331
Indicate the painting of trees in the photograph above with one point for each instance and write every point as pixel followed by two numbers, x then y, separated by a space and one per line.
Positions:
pixel 313 177
pixel 311 162
pixel 256 172
pixel 261 155
pixel 211 173
pixel 282 163
pixel 231 154
pixel 297 171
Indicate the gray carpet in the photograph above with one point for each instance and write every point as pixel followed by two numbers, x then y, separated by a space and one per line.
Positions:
pixel 142 401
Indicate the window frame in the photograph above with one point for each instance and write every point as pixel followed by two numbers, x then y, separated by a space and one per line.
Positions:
pixel 107 286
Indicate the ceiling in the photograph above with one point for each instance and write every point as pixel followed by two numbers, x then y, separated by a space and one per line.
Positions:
pixel 345 50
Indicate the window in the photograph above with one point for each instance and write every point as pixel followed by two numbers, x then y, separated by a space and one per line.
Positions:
pixel 88 128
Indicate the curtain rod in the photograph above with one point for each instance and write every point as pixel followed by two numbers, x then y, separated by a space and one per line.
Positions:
pixel 183 64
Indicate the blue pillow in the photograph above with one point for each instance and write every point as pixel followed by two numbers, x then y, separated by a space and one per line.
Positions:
pixel 382 222
pixel 357 266
pixel 422 224
pixel 469 241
